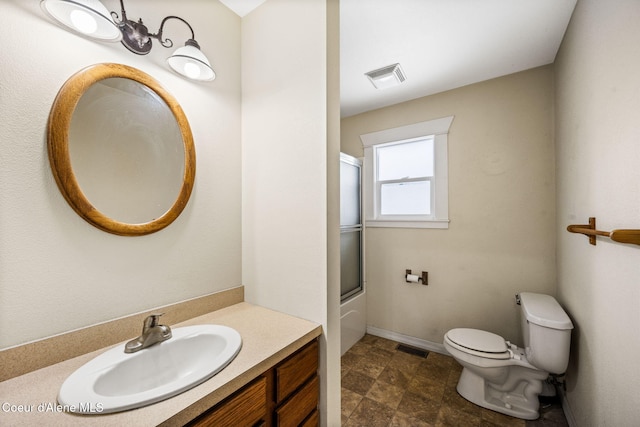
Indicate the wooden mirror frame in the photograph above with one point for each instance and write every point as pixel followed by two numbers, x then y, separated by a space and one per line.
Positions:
pixel 60 160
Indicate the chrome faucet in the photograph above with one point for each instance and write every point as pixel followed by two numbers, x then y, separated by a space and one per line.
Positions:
pixel 152 333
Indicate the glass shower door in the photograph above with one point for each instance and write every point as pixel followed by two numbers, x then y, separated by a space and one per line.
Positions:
pixel 351 230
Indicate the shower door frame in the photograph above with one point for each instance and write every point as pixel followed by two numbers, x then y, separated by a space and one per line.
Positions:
pixel 356 228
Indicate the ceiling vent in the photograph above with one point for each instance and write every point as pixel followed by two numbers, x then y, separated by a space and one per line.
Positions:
pixel 388 76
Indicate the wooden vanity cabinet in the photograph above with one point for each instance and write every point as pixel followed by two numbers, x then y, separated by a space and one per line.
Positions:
pixel 296 387
pixel 285 396
pixel 247 406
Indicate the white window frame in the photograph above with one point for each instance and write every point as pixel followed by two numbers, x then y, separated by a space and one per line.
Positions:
pixel 439 218
pixel 379 183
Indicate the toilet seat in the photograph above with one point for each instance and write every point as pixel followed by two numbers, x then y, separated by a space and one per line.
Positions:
pixel 479 343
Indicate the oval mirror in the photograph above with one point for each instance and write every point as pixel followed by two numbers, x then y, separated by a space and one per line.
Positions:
pixel 121 150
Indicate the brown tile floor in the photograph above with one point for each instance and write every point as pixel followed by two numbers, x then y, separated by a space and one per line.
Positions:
pixel 384 387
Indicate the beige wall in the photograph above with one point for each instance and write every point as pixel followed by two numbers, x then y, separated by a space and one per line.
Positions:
pixel 332 416
pixel 284 124
pixel 598 154
pixel 501 238
pixel 286 150
pixel 57 272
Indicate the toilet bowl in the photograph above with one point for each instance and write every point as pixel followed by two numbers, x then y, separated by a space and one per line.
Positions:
pixel 503 381
pixel 503 377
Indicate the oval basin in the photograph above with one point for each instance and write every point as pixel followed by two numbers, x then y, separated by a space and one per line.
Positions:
pixel 117 381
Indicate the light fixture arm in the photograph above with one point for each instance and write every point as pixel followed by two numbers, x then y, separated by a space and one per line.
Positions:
pixel 168 42
pixel 136 36
pixel 124 14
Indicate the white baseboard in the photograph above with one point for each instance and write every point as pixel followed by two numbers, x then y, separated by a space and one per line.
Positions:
pixel 568 413
pixel 406 339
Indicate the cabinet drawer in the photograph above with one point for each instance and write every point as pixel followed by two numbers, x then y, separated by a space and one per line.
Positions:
pixel 293 372
pixel 294 411
pixel 312 421
pixel 245 408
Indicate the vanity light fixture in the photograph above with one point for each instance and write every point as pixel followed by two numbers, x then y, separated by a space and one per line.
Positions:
pixel 385 77
pixel 91 19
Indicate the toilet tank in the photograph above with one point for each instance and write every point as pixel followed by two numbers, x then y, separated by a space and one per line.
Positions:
pixel 546 329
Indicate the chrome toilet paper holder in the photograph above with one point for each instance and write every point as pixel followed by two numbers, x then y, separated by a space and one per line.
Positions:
pixel 412 278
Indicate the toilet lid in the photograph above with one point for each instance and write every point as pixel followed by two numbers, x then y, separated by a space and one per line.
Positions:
pixel 491 345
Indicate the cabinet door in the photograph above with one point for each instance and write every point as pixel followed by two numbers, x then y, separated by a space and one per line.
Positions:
pixel 293 372
pixel 312 421
pixel 246 407
pixel 295 410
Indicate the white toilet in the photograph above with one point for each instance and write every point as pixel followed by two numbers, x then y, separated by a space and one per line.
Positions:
pixel 503 377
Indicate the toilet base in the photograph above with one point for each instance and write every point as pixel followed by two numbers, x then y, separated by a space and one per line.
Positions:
pixel 520 402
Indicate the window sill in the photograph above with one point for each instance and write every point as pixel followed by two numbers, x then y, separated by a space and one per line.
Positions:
pixel 436 223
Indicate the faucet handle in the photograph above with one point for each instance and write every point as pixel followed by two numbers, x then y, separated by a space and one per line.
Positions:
pixel 154 319
pixel 152 333
pixel 151 321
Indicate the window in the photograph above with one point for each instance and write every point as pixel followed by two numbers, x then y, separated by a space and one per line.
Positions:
pixel 406 176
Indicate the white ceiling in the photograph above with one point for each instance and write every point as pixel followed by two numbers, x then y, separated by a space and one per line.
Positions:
pixel 440 44
pixel 242 7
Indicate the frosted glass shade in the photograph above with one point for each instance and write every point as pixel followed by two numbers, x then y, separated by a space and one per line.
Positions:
pixel 87 17
pixel 190 62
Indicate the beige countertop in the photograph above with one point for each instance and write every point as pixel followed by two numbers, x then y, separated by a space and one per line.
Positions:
pixel 267 338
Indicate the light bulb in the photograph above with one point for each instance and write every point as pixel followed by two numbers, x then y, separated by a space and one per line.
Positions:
pixel 191 70
pixel 83 21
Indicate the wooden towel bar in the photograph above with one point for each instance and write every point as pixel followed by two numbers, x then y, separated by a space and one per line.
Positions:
pixel 621 236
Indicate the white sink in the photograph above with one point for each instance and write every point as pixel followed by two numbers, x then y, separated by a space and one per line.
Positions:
pixel 116 381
